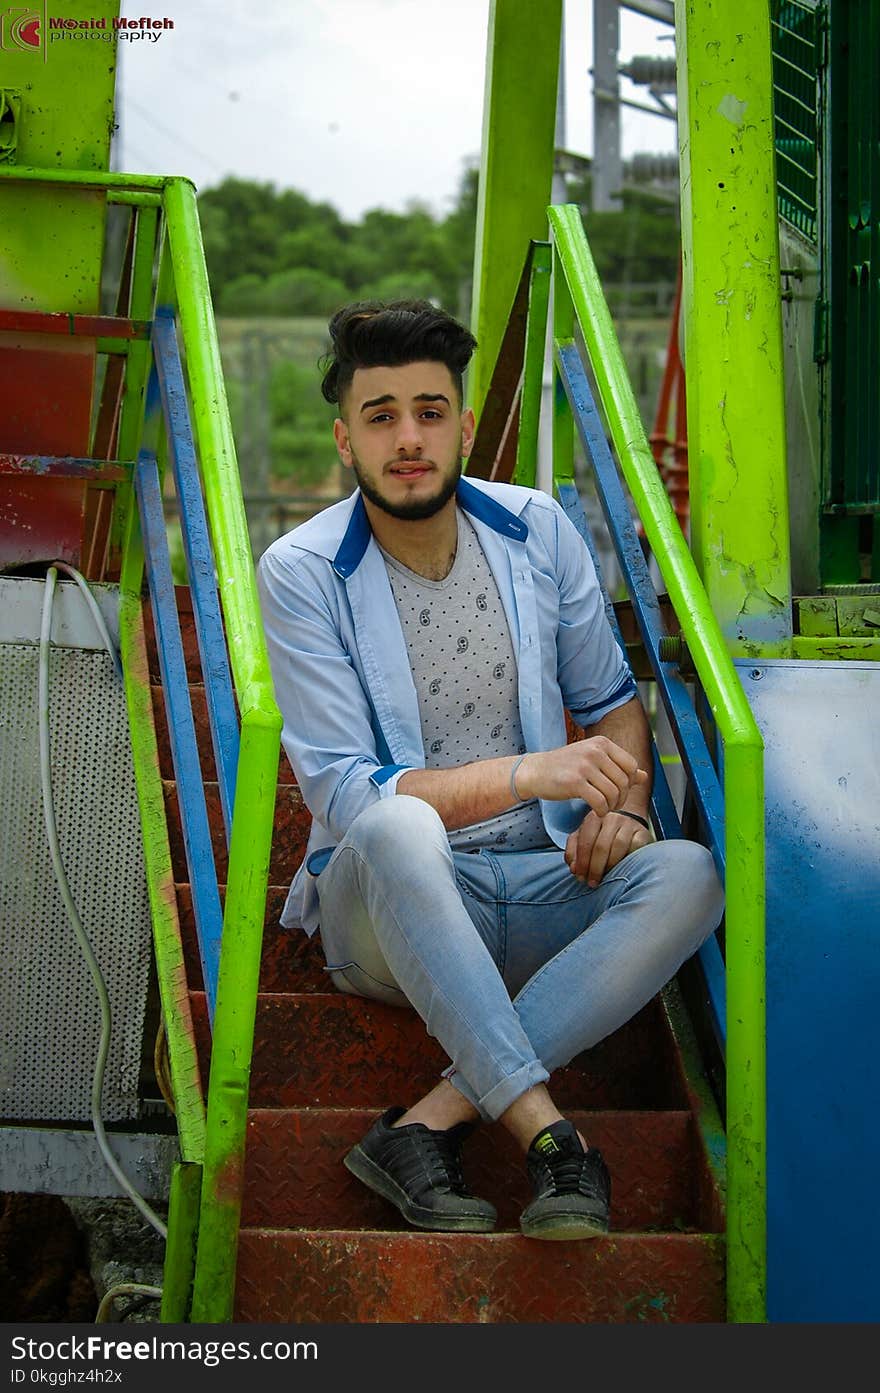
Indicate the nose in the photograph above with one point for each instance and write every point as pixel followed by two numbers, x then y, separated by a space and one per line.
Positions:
pixel 409 436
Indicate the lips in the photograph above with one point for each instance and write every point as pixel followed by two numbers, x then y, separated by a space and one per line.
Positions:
pixel 409 471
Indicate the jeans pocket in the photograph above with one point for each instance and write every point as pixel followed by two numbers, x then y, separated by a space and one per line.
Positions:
pixel 351 978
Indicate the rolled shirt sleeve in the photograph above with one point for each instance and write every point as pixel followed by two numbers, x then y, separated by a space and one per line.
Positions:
pixel 593 673
pixel 330 734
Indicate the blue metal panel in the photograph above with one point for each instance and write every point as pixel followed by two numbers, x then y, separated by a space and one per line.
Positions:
pixel 697 760
pixel 822 770
pixel 184 750
pixel 665 813
pixel 200 562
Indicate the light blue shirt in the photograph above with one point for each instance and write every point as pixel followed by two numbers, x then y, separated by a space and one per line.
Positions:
pixel 342 674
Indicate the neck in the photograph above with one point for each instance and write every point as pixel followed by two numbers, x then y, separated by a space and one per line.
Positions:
pixel 426 546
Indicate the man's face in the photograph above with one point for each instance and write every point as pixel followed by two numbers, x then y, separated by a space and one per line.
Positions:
pixel 404 434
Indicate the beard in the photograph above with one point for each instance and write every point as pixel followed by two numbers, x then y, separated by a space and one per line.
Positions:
pixel 419 508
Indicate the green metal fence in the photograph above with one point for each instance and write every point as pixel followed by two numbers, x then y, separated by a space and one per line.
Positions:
pixel 795 36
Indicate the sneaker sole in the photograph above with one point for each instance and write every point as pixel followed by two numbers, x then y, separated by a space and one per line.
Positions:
pixel 371 1175
pixel 564 1227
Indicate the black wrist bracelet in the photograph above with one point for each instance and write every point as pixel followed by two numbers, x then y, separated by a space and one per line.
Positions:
pixel 636 818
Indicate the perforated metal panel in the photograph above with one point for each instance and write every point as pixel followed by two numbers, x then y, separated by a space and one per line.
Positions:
pixel 50 1027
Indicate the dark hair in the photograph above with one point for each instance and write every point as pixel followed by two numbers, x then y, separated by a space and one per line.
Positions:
pixel 372 334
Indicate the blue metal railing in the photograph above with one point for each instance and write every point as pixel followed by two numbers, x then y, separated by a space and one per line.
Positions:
pixel 167 408
pixel 704 782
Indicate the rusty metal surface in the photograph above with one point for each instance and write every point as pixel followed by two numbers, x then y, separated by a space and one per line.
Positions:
pixel 290 961
pixel 295 1178
pixel 203 736
pixel 341 1277
pixel 73 325
pixel 338 1050
pixel 201 723
pixel 292 822
pixel 496 427
pixel 183 599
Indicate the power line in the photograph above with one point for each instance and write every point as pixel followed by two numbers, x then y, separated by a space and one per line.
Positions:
pixel 173 135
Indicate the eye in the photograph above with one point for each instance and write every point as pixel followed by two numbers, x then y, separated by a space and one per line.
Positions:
pixel 432 414
pixel 380 418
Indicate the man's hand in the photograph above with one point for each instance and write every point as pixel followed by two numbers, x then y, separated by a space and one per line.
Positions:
pixel 600 843
pixel 597 770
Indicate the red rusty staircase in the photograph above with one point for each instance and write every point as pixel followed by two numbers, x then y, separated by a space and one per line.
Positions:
pixel 316 1246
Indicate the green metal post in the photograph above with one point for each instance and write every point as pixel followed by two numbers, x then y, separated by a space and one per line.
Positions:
pixel 252 823
pixel 733 336
pixel 743 776
pixel 516 169
pixel 171 970
pixel 234 1018
pixel 131 415
pixel 180 1251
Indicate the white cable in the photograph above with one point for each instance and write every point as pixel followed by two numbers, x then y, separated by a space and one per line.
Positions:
pixel 64 885
pixel 123 1289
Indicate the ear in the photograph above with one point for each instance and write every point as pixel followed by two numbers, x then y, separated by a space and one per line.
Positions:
pixel 343 442
pixel 468 428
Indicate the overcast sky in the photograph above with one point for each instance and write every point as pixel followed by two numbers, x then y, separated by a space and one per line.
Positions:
pixel 361 103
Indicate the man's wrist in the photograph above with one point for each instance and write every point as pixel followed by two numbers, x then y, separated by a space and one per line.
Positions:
pixel 517 796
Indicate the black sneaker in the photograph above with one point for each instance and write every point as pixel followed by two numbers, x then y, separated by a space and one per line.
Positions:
pixel 419 1171
pixel 572 1187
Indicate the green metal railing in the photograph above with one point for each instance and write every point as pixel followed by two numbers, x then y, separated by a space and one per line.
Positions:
pixel 795 38
pixel 207 1188
pixel 579 304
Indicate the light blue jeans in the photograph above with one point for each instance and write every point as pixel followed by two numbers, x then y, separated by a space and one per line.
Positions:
pixel 513 964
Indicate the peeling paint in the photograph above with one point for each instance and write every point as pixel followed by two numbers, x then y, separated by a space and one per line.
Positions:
pixel 732 109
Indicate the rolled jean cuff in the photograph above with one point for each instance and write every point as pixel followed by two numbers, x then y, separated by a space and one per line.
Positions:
pixel 498 1099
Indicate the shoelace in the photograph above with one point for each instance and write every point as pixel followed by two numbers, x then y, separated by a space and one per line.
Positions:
pixel 440 1156
pixel 570 1172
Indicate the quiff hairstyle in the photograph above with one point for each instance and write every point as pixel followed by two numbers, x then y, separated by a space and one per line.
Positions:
pixel 372 334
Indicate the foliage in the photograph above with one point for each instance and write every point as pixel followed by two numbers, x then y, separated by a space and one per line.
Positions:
pixel 301 444
pixel 274 255
pixel 275 252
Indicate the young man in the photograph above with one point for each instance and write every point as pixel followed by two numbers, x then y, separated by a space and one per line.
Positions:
pixel 427 636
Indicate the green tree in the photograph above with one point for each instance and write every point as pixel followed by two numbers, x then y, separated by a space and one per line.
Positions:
pixel 301 442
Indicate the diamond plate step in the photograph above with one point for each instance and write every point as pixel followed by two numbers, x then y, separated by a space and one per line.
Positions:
pixel 291 832
pixel 187 633
pixel 334 1050
pixel 300 1276
pixel 203 736
pixel 294 1176
pixel 290 961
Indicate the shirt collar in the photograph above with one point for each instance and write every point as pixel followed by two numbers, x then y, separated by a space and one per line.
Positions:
pixel 472 499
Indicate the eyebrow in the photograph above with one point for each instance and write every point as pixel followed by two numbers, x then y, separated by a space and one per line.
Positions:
pixel 421 396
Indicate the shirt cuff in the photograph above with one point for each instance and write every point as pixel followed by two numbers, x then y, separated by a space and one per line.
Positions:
pixel 589 715
pixel 386 778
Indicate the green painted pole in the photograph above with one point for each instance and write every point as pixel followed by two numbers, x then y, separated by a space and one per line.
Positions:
pixel 516 169
pixel 743 775
pixel 180 1251
pixel 253 816
pixel 170 967
pixel 213 429
pixel 733 329
pixel 234 1018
